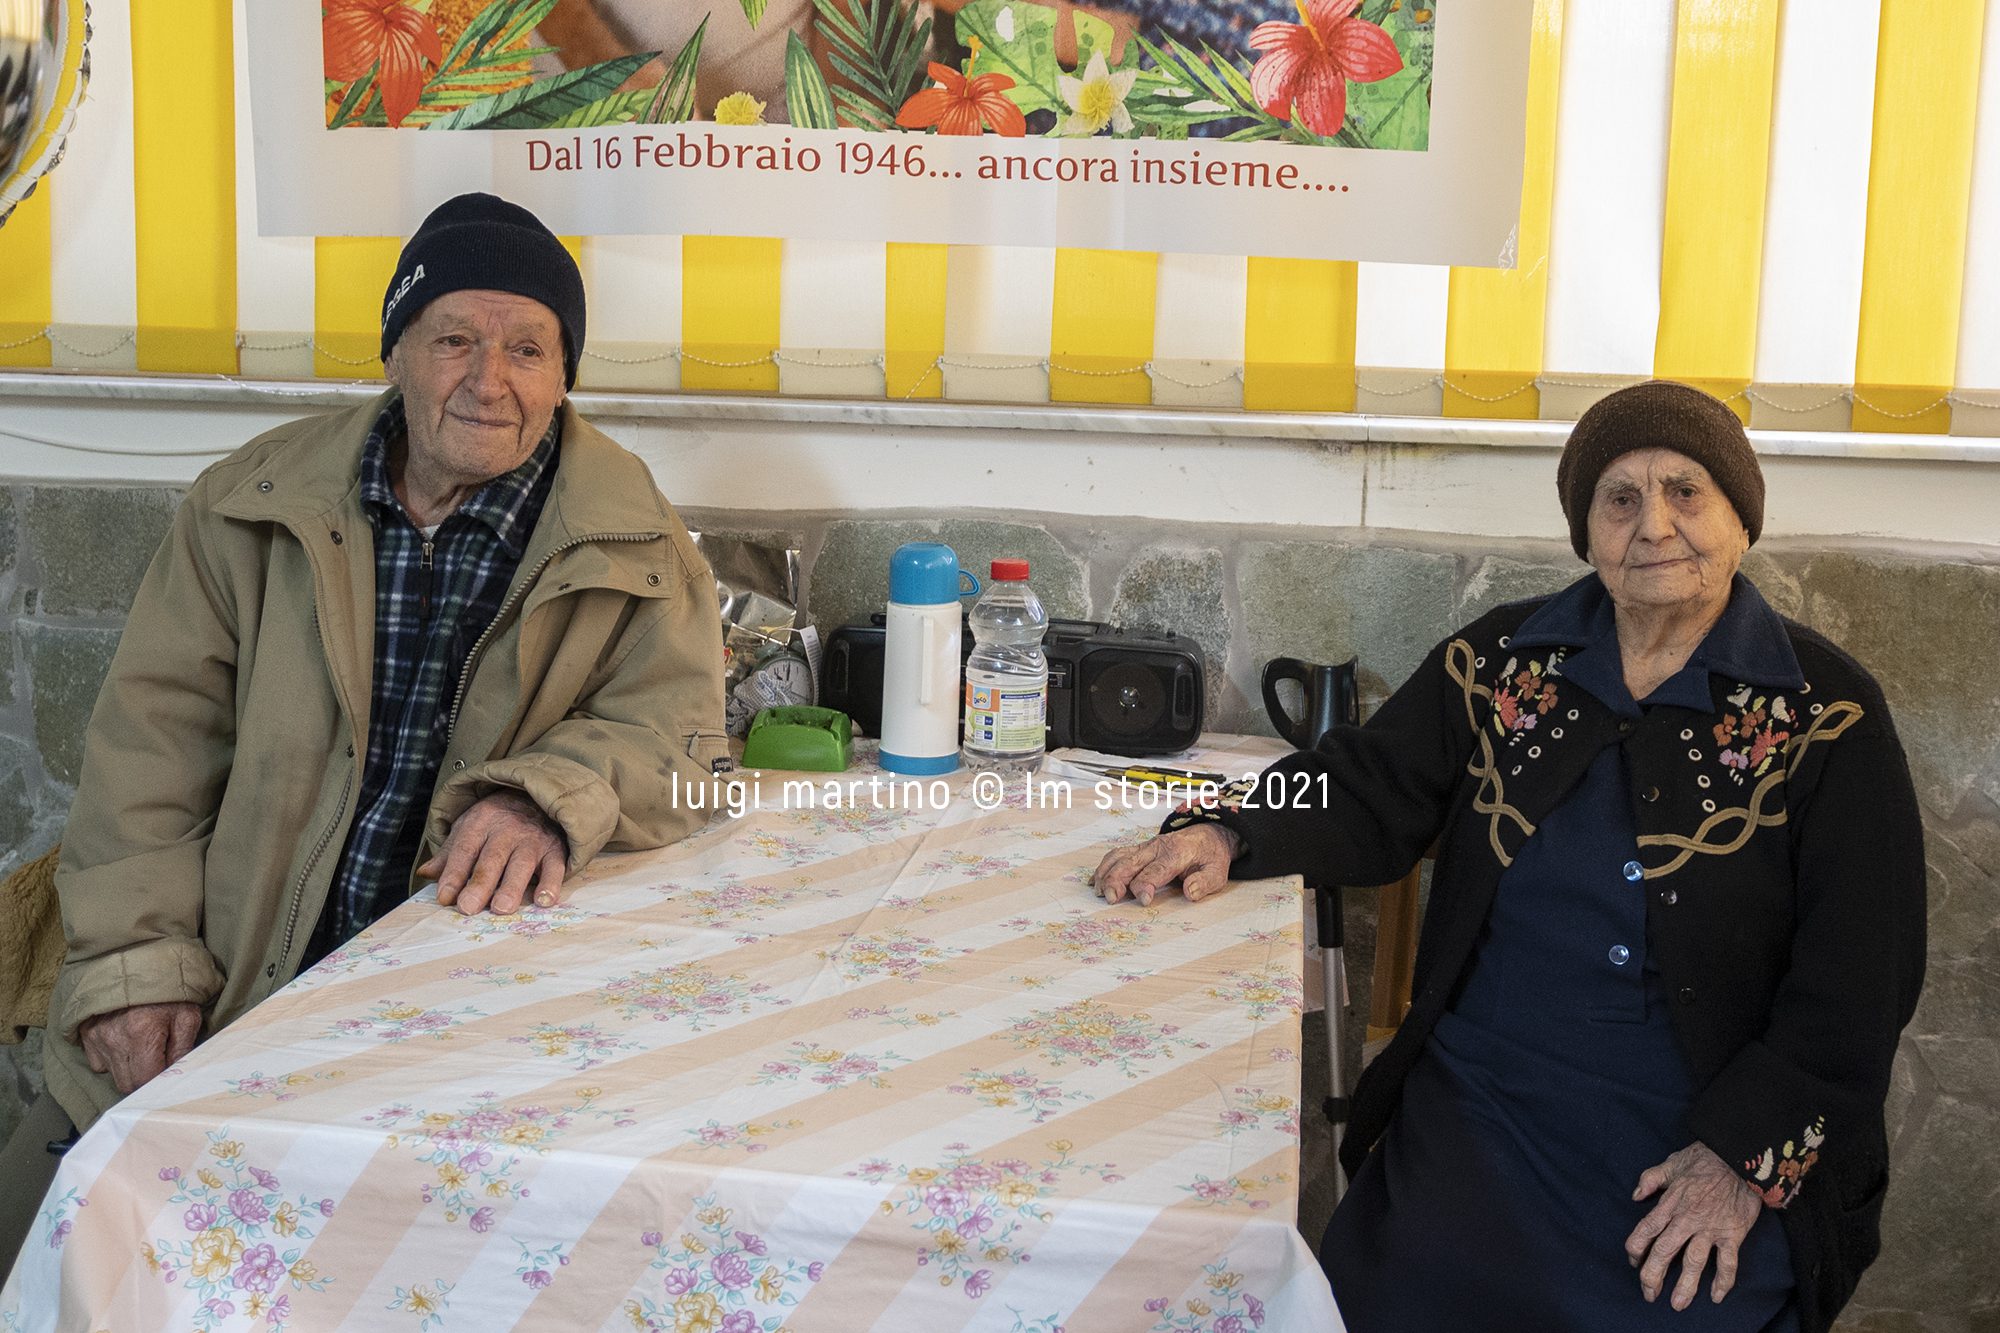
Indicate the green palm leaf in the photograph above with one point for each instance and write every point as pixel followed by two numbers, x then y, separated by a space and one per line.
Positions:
pixel 355 102
pixel 753 10
pixel 807 102
pixel 860 112
pixel 545 101
pixel 881 48
pixel 617 109
pixel 480 35
pixel 674 99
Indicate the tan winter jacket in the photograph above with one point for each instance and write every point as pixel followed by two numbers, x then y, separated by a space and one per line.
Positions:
pixel 220 769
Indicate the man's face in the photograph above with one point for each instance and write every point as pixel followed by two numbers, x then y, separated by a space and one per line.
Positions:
pixel 482 375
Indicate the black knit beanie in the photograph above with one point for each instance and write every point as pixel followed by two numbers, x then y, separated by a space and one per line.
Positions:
pixel 1658 414
pixel 482 243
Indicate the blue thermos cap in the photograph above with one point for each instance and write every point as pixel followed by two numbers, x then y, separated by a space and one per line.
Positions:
pixel 927 574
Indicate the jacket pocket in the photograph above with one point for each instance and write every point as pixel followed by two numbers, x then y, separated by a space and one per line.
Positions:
pixel 1859 1225
pixel 1857 1240
pixel 710 749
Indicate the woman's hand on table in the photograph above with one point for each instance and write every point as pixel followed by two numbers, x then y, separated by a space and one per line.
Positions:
pixel 1196 857
pixel 495 850
pixel 1706 1207
pixel 136 1045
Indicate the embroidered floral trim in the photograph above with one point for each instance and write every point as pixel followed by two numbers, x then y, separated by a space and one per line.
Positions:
pixel 1778 1174
pixel 1520 702
pixel 1765 807
pixel 1210 808
pixel 1752 739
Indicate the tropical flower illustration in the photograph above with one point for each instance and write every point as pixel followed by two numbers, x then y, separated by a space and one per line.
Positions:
pixel 1306 66
pixel 739 109
pixel 956 104
pixel 1356 75
pixel 1098 98
pixel 361 34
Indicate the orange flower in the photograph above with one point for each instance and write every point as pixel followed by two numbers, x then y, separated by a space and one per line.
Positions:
pixel 958 105
pixel 1307 66
pixel 384 34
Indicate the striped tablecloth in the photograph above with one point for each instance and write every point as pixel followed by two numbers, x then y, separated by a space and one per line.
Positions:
pixel 846 1064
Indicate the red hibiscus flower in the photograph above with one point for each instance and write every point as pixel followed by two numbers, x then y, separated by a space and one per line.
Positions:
pixel 364 34
pixel 958 105
pixel 1307 66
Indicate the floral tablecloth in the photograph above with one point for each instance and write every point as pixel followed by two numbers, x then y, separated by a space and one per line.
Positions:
pixel 842 1065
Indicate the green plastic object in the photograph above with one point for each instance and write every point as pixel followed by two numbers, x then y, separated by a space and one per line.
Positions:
pixel 816 740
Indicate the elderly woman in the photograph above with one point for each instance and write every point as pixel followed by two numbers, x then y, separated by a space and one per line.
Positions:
pixel 1676 925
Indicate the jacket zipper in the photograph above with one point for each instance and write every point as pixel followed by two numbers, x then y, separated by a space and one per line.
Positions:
pixel 339 810
pixel 427 565
pixel 319 850
pixel 520 589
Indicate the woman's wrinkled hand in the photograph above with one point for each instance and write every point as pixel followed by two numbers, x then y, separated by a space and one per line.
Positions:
pixel 1705 1208
pixel 1196 857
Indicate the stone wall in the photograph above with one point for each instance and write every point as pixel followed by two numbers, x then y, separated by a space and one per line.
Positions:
pixel 1926 621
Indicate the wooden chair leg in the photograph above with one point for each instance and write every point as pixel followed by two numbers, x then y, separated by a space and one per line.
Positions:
pixel 1395 957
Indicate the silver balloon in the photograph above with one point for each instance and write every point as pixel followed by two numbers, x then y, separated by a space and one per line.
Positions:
pixel 44 56
pixel 30 63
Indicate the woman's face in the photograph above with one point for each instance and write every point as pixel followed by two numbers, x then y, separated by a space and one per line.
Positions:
pixel 1662 533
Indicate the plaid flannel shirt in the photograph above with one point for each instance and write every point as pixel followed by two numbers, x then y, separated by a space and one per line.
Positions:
pixel 434 598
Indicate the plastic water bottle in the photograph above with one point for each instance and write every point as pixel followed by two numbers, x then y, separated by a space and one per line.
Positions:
pixel 1007 677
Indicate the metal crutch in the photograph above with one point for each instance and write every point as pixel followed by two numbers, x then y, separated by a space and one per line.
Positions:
pixel 1329 916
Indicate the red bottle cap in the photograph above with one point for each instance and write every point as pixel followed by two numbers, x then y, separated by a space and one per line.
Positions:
pixel 1010 571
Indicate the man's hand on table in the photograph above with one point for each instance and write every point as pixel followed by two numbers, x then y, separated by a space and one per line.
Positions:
pixel 494 852
pixel 134 1045
pixel 1196 857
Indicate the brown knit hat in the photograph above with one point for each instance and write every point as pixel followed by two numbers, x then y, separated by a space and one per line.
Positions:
pixel 1658 414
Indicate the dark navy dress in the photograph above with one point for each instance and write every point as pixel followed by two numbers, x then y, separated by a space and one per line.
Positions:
pixel 1500 1196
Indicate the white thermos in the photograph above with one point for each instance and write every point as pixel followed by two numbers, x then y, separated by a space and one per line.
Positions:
pixel 921 660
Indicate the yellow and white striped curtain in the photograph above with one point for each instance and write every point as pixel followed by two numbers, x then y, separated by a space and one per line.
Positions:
pixel 1796 206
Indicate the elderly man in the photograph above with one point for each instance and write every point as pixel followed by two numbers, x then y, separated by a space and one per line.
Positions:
pixel 453 635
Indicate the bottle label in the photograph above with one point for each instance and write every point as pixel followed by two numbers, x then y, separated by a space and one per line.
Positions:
pixel 1005 715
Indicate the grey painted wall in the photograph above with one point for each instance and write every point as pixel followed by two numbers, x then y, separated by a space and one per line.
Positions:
pixel 1925 620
